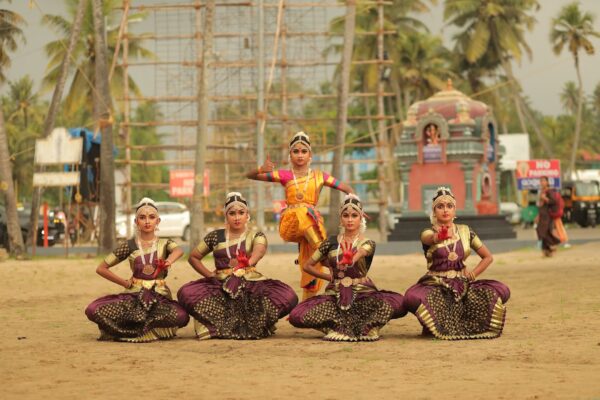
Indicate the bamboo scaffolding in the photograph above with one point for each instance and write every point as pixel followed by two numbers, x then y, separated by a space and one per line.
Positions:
pixel 239 147
pixel 245 121
pixel 191 161
pixel 162 7
pixel 252 63
pixel 237 34
pixel 155 185
pixel 295 56
pixel 283 96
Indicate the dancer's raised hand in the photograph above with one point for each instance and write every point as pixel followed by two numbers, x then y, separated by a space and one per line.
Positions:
pixel 268 166
pixel 347 254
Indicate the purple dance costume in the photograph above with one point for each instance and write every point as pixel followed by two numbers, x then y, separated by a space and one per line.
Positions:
pixel 145 312
pixel 446 303
pixel 352 308
pixel 228 306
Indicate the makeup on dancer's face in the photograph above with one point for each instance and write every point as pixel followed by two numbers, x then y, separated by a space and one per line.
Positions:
pixel 445 210
pixel 237 217
pixel 147 220
pixel 350 219
pixel 299 154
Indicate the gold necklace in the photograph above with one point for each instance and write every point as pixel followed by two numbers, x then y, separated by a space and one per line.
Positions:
pixel 300 195
pixel 452 256
pixel 233 261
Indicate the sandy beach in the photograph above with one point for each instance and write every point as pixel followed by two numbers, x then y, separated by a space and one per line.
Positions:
pixel 550 348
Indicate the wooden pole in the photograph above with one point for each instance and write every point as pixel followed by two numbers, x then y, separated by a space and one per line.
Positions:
pixel 126 118
pixel 103 117
pixel 382 131
pixel 342 111
pixel 203 55
pixel 260 115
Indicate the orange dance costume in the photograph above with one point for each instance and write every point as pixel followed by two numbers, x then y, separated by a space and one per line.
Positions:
pixel 301 222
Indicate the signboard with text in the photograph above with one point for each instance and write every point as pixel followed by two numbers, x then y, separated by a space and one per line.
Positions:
pixel 181 183
pixel 529 173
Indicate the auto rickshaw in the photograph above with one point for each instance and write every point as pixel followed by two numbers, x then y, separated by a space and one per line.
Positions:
pixel 582 202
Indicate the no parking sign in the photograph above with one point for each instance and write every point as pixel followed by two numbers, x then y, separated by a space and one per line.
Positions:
pixel 529 173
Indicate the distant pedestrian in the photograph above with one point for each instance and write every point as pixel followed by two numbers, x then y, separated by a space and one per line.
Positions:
pixel 550 210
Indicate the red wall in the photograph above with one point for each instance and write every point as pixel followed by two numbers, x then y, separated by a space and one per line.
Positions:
pixel 436 174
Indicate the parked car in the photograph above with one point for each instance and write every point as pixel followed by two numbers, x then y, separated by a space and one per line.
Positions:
pixel 174 221
pixel 56 228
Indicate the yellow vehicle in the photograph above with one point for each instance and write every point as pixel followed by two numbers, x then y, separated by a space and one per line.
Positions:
pixel 582 202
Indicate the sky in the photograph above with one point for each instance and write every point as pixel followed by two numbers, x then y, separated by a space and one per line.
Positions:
pixel 541 77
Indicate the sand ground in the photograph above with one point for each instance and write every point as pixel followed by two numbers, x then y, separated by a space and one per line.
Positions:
pixel 550 348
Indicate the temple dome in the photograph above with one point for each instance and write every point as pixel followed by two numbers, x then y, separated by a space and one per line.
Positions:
pixel 452 105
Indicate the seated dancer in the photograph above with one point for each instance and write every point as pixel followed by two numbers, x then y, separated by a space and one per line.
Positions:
pixel 352 309
pixel 448 300
pixel 145 311
pixel 235 301
pixel 300 221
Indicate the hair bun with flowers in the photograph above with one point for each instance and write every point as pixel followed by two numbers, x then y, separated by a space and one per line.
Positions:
pixel 235 198
pixel 302 138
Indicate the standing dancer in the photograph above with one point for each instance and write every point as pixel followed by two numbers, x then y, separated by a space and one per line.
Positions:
pixel 145 311
pixel 352 308
pixel 448 300
pixel 235 301
pixel 301 222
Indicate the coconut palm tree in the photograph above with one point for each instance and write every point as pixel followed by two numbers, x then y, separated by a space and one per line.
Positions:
pixel 569 97
pixel 574 28
pixel 596 99
pixel 24 117
pixel 22 99
pixel 424 65
pixel 10 34
pixel 81 71
pixel 497 27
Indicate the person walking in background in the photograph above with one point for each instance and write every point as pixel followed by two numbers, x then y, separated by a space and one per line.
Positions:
pixel 550 210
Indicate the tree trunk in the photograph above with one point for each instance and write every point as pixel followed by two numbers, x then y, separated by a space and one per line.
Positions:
pixel 204 54
pixel 572 166
pixel 538 131
pixel 516 89
pixel 520 107
pixel 383 169
pixel 342 111
pixel 15 238
pixel 102 102
pixel 50 119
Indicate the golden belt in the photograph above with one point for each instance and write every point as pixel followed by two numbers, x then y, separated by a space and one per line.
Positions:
pixel 238 272
pixel 451 274
pixel 347 281
pixel 149 283
pixel 298 205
